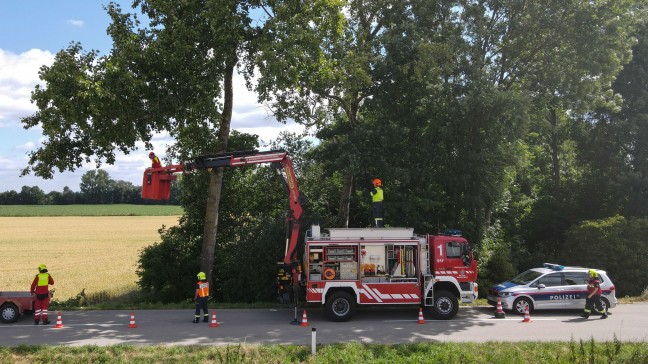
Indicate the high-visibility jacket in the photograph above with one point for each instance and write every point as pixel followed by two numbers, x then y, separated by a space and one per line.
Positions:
pixel 202 287
pixel 41 283
pixel 377 194
pixel 156 162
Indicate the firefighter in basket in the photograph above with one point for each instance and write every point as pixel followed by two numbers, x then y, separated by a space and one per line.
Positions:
pixel 155 161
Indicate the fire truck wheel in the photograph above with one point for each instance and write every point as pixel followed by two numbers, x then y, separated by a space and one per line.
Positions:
pixel 9 313
pixel 446 306
pixel 520 305
pixel 340 306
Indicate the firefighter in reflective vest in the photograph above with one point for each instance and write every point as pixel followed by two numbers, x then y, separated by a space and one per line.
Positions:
pixel 377 203
pixel 593 299
pixel 40 287
pixel 155 161
pixel 201 297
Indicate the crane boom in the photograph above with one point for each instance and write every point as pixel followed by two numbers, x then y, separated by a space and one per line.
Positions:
pixel 281 160
pixel 157 181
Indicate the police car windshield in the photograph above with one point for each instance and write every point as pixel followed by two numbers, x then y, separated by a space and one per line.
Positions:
pixel 526 277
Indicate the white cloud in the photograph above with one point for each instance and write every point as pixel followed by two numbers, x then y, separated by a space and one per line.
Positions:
pixel 18 77
pixel 75 23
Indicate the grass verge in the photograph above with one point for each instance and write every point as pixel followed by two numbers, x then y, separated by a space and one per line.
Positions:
pixel 490 352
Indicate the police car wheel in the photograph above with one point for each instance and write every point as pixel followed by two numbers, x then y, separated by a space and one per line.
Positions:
pixel 605 303
pixel 520 305
pixel 9 313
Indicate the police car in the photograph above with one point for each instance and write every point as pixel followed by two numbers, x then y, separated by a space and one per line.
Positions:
pixel 551 287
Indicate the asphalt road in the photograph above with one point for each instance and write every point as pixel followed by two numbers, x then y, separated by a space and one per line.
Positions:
pixel 369 325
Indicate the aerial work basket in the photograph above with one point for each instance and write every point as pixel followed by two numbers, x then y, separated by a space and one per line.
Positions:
pixel 156 182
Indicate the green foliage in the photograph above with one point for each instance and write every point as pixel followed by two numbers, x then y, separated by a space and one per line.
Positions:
pixel 448 352
pixel 616 245
pixel 167 270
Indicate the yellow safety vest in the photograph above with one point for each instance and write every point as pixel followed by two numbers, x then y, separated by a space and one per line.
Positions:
pixel 43 279
pixel 378 196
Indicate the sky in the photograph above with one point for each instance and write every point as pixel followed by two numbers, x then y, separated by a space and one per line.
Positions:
pixel 32 32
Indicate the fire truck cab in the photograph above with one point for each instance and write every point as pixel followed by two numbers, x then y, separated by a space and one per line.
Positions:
pixel 388 266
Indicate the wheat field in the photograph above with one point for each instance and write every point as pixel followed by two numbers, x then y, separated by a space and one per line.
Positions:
pixel 98 253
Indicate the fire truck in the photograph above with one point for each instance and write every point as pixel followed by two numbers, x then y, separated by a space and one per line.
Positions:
pixel 388 266
pixel 344 268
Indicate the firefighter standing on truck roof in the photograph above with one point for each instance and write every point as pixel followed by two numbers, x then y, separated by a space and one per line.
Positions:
pixel 201 297
pixel 40 287
pixel 377 202
pixel 593 299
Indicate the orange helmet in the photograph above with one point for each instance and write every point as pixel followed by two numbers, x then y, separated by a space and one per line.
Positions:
pixel 377 182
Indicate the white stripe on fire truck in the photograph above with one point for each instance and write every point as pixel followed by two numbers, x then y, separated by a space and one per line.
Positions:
pixel 367 289
pixel 364 291
pixel 383 296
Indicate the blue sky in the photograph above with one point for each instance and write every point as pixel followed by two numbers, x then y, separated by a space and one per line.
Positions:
pixel 32 32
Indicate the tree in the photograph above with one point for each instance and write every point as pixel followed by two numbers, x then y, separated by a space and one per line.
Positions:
pixel 329 93
pixel 97 187
pixel 168 76
pixel 31 196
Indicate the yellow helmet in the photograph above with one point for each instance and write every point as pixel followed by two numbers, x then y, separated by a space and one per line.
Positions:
pixel 42 267
pixel 202 275
pixel 593 273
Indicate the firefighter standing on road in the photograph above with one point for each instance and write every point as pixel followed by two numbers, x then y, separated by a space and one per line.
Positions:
pixel 201 297
pixel 593 299
pixel 40 287
pixel 377 202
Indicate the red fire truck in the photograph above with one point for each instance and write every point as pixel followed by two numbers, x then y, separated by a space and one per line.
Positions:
pixel 348 267
pixel 388 266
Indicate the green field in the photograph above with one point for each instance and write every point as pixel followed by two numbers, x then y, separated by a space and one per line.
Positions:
pixel 89 210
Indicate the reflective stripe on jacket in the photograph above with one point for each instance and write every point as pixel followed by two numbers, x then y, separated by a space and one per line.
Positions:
pixel 203 289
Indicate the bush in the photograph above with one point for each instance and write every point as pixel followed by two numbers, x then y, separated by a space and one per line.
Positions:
pixel 616 245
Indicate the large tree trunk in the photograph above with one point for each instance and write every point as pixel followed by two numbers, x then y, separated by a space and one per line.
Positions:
pixel 216 179
pixel 345 201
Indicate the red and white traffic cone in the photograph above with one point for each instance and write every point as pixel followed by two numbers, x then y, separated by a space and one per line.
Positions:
pixel 421 320
pixel 132 324
pixel 214 323
pixel 59 322
pixel 527 317
pixel 304 322
pixel 500 312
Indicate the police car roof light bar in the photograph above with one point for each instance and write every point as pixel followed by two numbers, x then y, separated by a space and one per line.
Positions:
pixel 553 266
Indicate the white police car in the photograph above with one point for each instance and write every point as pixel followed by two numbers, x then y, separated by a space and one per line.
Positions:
pixel 551 287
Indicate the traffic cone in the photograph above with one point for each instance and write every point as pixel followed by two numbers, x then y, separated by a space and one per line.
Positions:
pixel 132 324
pixel 59 322
pixel 527 317
pixel 214 323
pixel 304 322
pixel 500 312
pixel 421 320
